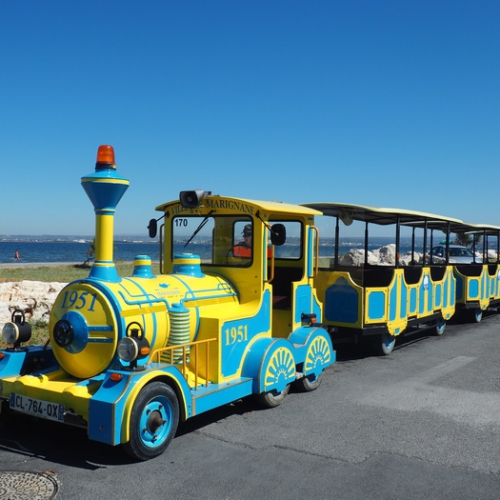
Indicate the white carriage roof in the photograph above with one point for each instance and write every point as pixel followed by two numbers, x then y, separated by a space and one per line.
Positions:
pixel 466 227
pixel 382 216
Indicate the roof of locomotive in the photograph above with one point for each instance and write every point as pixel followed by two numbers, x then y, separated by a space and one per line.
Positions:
pixel 237 205
pixel 382 216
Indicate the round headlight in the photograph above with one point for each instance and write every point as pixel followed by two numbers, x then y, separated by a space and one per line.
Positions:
pixel 128 349
pixel 10 333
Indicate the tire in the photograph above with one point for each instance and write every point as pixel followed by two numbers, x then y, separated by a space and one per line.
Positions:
pixel 439 327
pixel 309 383
pixel 385 344
pixel 476 316
pixel 153 422
pixel 272 399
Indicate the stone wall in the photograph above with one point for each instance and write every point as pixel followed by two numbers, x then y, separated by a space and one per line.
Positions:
pixel 34 298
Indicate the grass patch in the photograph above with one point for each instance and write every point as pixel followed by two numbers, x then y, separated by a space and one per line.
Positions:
pixel 61 274
pixel 39 333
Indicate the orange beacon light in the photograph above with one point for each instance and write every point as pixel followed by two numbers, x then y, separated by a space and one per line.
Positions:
pixel 106 156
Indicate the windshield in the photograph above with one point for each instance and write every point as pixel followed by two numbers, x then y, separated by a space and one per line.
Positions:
pixel 228 240
pixel 460 252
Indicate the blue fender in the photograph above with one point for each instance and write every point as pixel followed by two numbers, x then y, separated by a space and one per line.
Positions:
pixel 271 364
pixel 253 360
pixel 110 407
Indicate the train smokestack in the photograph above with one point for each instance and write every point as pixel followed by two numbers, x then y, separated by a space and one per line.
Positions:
pixel 105 189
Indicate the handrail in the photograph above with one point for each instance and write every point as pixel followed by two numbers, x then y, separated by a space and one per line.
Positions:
pixel 158 352
pixel 270 279
pixel 160 253
pixel 316 256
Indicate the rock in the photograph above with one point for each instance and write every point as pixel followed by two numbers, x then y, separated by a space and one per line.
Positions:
pixel 386 256
pixel 356 257
pixel 34 298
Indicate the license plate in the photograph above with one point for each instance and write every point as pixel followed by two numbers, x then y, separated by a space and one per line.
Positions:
pixel 37 407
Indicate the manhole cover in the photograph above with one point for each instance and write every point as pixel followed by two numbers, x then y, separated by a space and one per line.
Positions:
pixel 25 485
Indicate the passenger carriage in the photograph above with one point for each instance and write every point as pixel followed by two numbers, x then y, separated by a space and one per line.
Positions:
pixel 478 282
pixel 374 300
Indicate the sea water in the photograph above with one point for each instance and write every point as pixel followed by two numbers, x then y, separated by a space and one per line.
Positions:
pixel 77 252
pixel 69 251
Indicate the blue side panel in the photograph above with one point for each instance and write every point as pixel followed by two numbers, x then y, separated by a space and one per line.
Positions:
pixel 237 335
pixel 438 291
pixel 430 296
pixel 446 286
pixel 393 301
pixel 413 301
pixel 219 395
pixel 376 305
pixel 303 301
pixel 341 302
pixel 474 289
pixel 404 300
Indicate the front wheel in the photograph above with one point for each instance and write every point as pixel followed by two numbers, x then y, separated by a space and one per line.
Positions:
pixel 153 422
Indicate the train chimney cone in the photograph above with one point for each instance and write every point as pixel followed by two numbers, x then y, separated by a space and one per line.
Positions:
pixel 105 189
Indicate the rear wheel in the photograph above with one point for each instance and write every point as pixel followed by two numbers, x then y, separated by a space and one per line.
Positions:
pixel 272 399
pixel 309 383
pixel 154 420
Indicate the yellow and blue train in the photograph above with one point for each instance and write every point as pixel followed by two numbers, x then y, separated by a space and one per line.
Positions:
pixel 130 357
pixel 246 303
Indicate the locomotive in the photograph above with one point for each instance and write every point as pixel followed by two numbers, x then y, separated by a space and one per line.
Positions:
pixel 128 358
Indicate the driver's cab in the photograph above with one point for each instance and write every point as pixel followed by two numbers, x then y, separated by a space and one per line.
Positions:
pixel 266 250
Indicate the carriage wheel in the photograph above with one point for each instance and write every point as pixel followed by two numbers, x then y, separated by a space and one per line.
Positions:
pixel 439 327
pixel 385 344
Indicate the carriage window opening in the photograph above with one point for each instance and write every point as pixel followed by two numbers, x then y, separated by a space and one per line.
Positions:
pixel 213 238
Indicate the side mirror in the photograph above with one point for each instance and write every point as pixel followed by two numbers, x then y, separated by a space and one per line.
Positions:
pixel 278 234
pixel 191 199
pixel 152 228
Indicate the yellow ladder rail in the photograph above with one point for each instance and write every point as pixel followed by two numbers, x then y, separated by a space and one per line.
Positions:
pixel 156 357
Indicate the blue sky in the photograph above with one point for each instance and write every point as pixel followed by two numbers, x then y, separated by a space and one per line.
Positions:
pixel 384 103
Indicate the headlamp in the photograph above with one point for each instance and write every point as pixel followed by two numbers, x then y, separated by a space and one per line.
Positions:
pixel 133 347
pixel 17 330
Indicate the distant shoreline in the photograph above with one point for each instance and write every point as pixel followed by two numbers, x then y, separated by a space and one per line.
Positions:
pixel 15 265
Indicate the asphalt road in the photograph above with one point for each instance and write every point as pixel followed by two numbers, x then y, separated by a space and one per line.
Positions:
pixel 422 423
